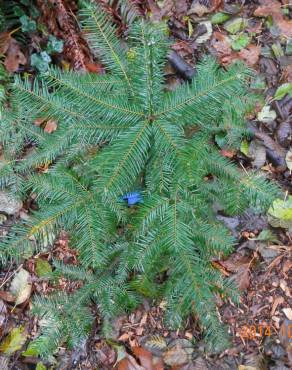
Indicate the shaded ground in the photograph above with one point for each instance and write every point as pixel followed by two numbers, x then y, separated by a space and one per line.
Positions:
pixel 260 34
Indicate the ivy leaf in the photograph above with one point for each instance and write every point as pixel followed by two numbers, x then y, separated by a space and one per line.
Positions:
pixel 27 24
pixel 14 341
pixel 240 41
pixel 54 45
pixel 21 286
pixel 283 90
pixel 40 61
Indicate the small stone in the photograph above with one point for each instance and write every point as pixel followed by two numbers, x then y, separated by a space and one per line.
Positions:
pixel 9 204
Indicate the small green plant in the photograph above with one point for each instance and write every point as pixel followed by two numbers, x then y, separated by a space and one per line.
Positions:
pixel 120 138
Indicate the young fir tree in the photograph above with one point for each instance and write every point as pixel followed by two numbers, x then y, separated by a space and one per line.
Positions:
pixel 116 134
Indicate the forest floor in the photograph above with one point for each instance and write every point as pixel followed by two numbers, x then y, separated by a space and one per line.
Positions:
pixel 260 327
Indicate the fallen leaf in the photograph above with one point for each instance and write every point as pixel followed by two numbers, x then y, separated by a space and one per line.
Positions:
pixel 145 357
pixel 40 366
pixel 6 296
pixel 288 159
pixel 280 213
pixel 268 7
pixel 4 41
pixel 242 277
pixel 39 121
pixel 288 313
pixel 266 114
pixel 42 267
pixel 14 341
pixel 207 35
pixel 21 286
pixel 277 302
pixel 14 56
pixel 284 89
pixel 285 27
pixel 95 68
pixel 198 9
pixel 257 152
pixel 227 153
pixel 244 147
pixel 50 126
pixel 219 18
pixel 179 353
pixel 250 55
pixel 235 25
pixel 221 44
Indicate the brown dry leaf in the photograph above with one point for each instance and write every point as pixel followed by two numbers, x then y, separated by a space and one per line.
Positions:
pixel 242 277
pixel 222 47
pixel 287 266
pixel 277 301
pixel 179 353
pixel 39 121
pixel 4 41
pixel 50 126
pixel 287 73
pixel 285 27
pixel 274 8
pixel 181 7
pixel 198 9
pixel 129 363
pixel 145 357
pixel 14 56
pixel 250 55
pixel 228 153
pixel 240 265
pixel 95 68
pixel 268 7
pixel 6 296
pixel 157 13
